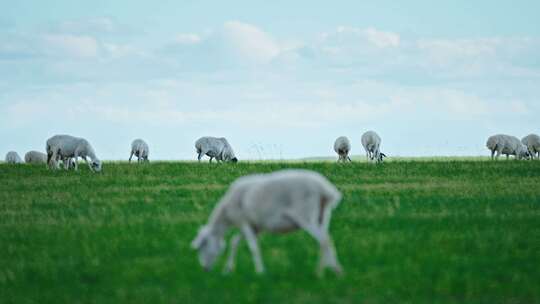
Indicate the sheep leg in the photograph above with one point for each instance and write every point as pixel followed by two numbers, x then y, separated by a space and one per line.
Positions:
pixel 330 250
pixel 211 158
pixel 56 160
pixel 67 162
pixel 349 159
pixel 52 160
pixel 251 240
pixel 76 164
pixel 130 156
pixel 233 246
pixel 498 154
pixel 327 251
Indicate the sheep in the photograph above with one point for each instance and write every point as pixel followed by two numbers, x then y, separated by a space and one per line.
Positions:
pixel 35 157
pixel 13 157
pixel 372 143
pixel 342 146
pixel 140 148
pixel 508 145
pixel 215 147
pixel 64 147
pixel 532 142
pixel 278 202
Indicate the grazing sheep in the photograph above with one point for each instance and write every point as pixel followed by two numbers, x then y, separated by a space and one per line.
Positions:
pixel 508 145
pixel 214 147
pixel 532 142
pixel 13 157
pixel 277 202
pixel 140 148
pixel 35 157
pixel 64 147
pixel 342 146
pixel 372 143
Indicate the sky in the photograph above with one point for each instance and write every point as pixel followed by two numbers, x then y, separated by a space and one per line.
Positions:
pixel 278 79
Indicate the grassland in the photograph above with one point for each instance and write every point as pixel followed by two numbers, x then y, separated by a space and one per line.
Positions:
pixel 406 232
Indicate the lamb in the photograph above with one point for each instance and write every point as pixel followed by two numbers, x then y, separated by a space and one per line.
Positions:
pixel 372 143
pixel 215 147
pixel 13 157
pixel 342 146
pixel 65 147
pixel 532 142
pixel 508 145
pixel 278 202
pixel 35 157
pixel 140 148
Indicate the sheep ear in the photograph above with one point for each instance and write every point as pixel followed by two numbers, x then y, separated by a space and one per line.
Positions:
pixel 200 238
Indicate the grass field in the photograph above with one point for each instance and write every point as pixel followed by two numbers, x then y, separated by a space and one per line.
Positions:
pixel 405 232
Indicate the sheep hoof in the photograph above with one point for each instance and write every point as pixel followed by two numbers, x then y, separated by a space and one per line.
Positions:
pixel 339 271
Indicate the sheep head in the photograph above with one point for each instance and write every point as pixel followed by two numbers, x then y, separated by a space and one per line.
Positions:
pixel 209 247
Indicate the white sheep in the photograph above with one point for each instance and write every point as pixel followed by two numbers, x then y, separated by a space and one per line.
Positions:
pixel 508 145
pixel 372 144
pixel 342 146
pixel 64 147
pixel 215 147
pixel 277 202
pixel 140 149
pixel 35 157
pixel 13 157
pixel 532 142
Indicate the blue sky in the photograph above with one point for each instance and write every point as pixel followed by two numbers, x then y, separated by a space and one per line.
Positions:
pixel 279 79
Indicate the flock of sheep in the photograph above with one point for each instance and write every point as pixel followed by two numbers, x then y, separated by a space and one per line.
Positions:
pixel 65 150
pixel 371 142
pixel 277 202
pixel 528 147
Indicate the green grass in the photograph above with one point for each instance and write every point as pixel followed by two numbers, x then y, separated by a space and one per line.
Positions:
pixel 405 232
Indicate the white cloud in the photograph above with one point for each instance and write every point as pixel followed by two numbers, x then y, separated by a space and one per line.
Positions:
pixel 93 25
pixel 378 38
pixel 362 52
pixel 71 45
pixel 187 39
pixel 368 37
pixel 97 26
pixel 248 42
pixel 382 39
pixel 443 52
pixel 121 50
pixel 234 44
